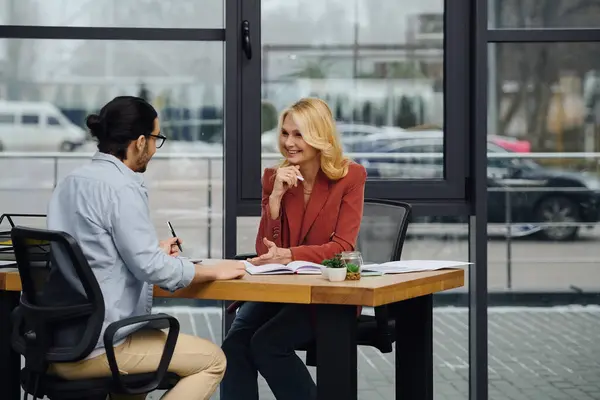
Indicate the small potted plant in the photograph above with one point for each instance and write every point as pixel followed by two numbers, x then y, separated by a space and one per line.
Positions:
pixel 335 269
pixel 353 272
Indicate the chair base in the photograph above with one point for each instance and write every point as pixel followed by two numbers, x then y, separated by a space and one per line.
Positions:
pixel 56 388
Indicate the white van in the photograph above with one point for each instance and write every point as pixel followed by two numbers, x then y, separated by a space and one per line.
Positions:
pixel 37 126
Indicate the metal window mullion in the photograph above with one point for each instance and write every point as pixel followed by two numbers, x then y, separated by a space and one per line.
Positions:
pixel 106 33
pixel 539 35
pixel 477 272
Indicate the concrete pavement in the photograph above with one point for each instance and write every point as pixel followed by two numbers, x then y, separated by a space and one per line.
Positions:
pixel 534 354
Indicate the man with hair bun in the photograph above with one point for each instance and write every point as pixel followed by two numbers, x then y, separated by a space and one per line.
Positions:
pixel 104 206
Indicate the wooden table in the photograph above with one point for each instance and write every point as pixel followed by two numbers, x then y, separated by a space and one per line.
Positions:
pixel 409 296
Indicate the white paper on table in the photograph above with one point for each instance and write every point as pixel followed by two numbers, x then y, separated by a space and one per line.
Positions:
pixel 404 266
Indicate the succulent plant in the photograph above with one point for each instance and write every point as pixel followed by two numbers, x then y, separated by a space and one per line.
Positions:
pixel 352 268
pixel 335 262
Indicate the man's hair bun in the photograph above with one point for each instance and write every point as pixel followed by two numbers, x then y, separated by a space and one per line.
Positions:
pixel 94 123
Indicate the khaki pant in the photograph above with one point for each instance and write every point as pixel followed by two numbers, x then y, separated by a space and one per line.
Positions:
pixel 199 362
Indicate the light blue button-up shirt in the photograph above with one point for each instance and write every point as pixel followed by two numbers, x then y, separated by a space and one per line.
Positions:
pixel 104 206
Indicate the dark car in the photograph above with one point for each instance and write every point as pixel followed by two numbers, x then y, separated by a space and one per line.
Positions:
pixel 531 192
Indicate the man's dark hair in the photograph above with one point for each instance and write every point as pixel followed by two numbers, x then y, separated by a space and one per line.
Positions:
pixel 120 121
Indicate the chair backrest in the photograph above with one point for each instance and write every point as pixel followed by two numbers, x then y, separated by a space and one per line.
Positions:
pixel 383 230
pixel 61 310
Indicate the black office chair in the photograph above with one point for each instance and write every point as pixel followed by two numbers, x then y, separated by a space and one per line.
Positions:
pixel 381 238
pixel 59 320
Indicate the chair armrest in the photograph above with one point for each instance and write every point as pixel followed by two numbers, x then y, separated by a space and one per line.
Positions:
pixel 159 321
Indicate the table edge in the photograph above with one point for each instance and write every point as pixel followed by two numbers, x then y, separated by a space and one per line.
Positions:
pixel 374 297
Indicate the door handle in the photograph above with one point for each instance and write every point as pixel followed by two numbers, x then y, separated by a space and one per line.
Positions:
pixel 246 45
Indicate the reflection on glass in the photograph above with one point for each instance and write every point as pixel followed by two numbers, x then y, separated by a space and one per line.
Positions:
pixel 51 86
pixel 543 209
pixel 543 13
pixel 113 13
pixel 547 94
pixel 546 101
pixel 380 68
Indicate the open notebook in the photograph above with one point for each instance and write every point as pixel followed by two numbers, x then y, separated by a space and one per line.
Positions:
pixel 391 267
pixel 404 266
pixel 295 267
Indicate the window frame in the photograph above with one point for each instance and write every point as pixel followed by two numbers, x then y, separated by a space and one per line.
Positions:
pixel 453 188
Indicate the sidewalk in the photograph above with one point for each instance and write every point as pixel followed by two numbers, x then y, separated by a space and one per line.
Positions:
pixel 534 353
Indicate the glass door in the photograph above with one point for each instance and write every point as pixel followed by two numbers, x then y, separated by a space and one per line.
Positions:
pixel 397 78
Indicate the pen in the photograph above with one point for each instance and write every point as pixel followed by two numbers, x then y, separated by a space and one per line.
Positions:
pixel 174 235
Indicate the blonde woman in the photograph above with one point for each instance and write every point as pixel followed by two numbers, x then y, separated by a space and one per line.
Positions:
pixel 312 206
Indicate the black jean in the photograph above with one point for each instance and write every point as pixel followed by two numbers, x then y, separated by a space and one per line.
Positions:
pixel 263 338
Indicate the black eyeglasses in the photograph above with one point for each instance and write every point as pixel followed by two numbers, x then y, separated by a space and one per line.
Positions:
pixel 160 140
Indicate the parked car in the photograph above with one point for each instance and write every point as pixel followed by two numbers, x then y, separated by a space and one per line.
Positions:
pixel 538 194
pixel 511 143
pixel 351 135
pixel 37 126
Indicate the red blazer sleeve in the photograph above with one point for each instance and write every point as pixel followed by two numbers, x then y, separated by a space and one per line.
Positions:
pixel 268 227
pixel 347 227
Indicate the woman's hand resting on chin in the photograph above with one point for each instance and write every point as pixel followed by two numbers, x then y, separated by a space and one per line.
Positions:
pixel 285 178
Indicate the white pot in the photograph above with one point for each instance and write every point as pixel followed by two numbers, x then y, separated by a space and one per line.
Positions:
pixel 336 274
pixel 324 270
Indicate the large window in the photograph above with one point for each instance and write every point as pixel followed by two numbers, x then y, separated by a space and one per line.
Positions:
pixel 61 60
pixel 543 190
pixel 68 80
pixel 396 76
pixel 383 71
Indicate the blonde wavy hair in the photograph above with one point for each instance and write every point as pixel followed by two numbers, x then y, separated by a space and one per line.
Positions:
pixel 317 125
